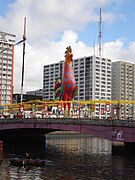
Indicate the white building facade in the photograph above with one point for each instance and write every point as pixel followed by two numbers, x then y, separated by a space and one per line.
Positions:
pixel 50 73
pixel 7 42
pixel 123 87
pixel 94 82
pixel 93 77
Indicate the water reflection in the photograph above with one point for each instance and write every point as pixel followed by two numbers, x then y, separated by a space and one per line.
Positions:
pixel 88 145
pixel 13 172
pixel 73 158
pixel 78 155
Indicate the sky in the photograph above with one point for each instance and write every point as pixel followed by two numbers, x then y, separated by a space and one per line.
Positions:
pixel 52 25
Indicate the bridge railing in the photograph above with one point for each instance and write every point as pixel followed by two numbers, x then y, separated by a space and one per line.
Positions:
pixel 79 108
pixel 72 121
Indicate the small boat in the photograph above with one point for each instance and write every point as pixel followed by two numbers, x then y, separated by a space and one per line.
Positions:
pixel 25 162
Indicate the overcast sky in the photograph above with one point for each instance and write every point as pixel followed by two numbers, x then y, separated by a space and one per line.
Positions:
pixel 52 25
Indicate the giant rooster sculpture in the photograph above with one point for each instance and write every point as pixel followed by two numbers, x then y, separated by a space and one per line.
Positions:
pixel 65 88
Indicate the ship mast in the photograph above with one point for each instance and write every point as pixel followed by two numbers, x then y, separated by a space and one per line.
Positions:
pixel 24 39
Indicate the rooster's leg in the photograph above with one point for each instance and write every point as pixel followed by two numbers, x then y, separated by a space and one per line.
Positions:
pixel 69 104
pixel 65 98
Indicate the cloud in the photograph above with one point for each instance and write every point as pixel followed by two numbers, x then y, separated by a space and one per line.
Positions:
pixel 52 25
pixel 116 51
pixel 37 57
pixel 45 18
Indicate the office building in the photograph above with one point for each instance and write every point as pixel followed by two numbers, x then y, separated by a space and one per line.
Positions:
pixel 7 42
pixel 123 87
pixel 93 77
pixel 38 92
pixel 26 98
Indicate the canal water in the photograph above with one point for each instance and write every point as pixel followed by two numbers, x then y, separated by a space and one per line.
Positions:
pixel 72 157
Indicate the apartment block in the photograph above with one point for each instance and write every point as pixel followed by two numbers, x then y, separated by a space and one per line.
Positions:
pixel 7 42
pixel 93 77
pixel 123 87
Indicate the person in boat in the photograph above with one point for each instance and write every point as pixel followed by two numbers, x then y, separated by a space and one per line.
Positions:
pixel 28 157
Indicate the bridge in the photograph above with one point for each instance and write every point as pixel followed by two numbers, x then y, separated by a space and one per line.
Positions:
pixel 113 130
pixel 25 129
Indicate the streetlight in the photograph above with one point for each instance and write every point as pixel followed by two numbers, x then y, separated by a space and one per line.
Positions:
pixel 14 45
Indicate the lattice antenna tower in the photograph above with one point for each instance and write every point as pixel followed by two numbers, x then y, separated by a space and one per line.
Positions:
pixel 100 34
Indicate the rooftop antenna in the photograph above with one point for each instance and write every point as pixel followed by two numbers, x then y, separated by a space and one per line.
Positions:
pixel 100 33
pixel 24 39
